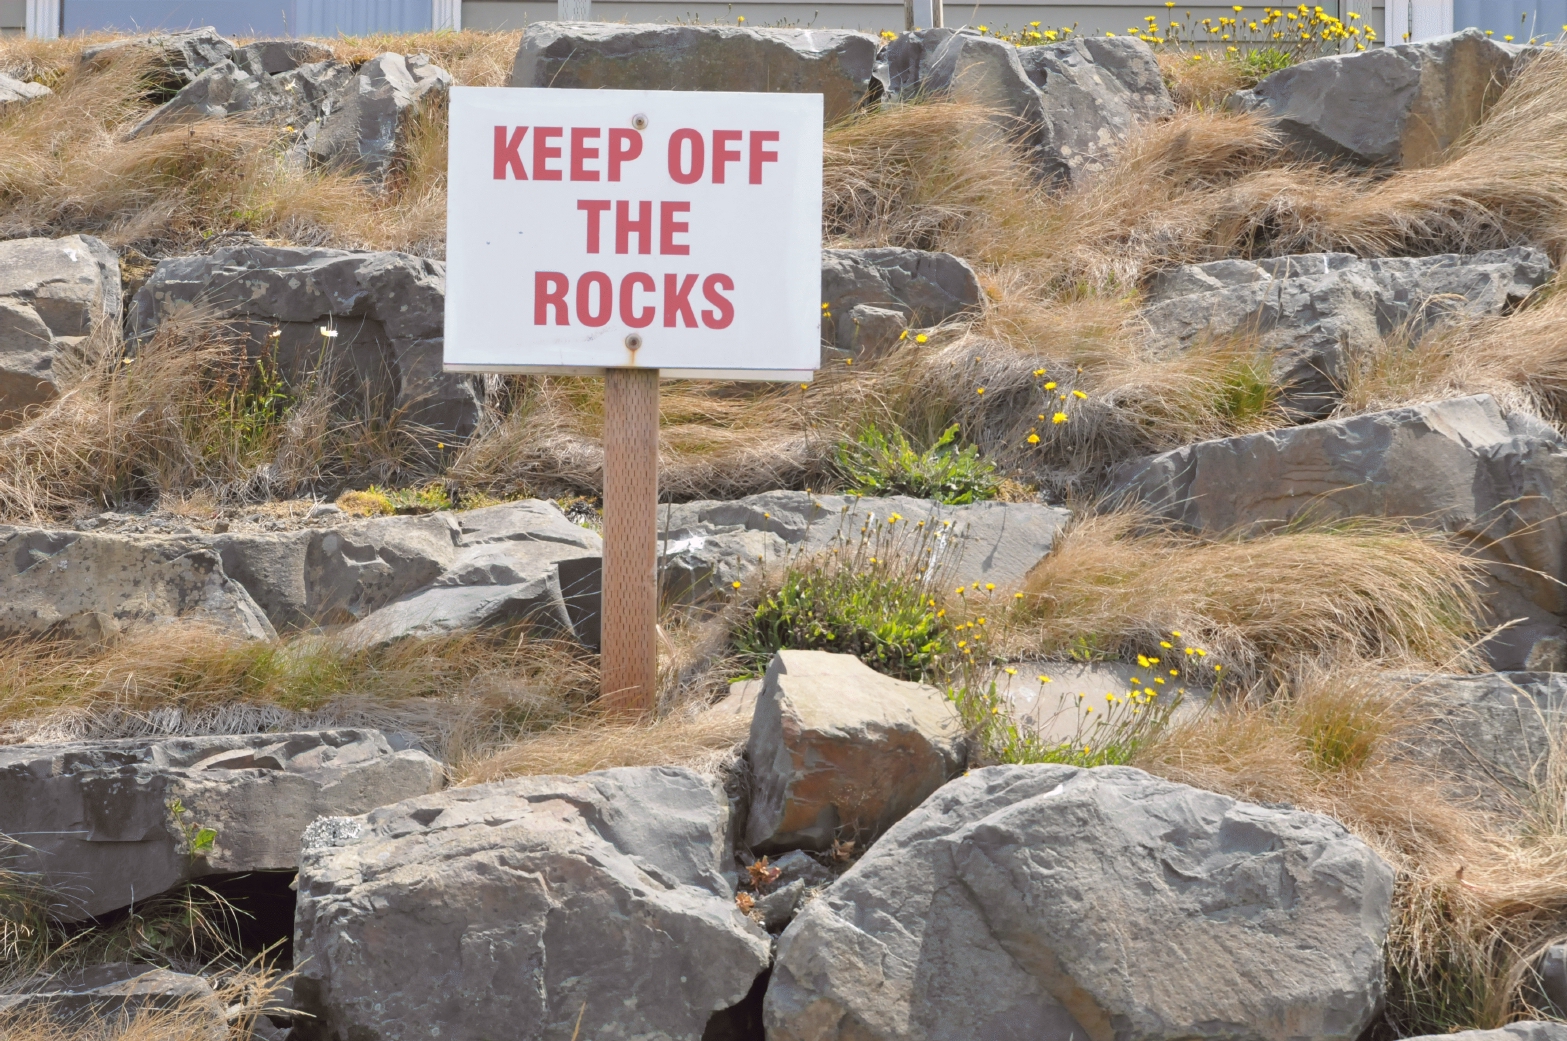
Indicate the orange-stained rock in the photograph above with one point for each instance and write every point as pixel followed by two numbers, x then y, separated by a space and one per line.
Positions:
pixel 841 752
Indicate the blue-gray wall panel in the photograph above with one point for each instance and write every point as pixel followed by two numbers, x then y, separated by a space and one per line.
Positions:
pixel 361 17
pixel 230 17
pixel 1517 18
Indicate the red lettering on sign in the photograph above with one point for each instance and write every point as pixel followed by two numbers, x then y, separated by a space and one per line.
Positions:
pixel 759 155
pixel 543 151
pixel 628 305
pixel 725 313
pixel 625 227
pixel 722 153
pixel 508 154
pixel 549 291
pixel 580 153
pixel 677 300
pixel 594 208
pixel 624 146
pixel 677 170
pixel 668 228
pixel 606 299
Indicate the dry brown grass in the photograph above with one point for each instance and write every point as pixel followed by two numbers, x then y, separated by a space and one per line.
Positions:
pixel 244 995
pixel 1365 591
pixel 701 743
pixel 1473 906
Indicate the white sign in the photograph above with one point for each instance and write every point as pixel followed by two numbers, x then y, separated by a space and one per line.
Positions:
pixel 671 230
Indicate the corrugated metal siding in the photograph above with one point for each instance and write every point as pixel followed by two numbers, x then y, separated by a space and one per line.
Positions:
pixel 361 17
pixel 1517 18
pixel 251 17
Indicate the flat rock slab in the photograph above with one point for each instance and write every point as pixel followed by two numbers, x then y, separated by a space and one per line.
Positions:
pixel 1531 1030
pixel 121 989
pixel 1401 105
pixel 92 588
pixel 387 310
pixel 840 752
pixel 100 817
pixel 993 542
pixel 834 63
pixel 529 909
pixel 1316 311
pixel 1458 466
pixel 1051 902
pixel 1049 697
pixel 14 91
pixel 53 294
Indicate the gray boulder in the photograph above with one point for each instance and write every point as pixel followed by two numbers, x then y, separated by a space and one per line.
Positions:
pixel 366 120
pixel 1071 104
pixel 105 823
pixel 994 542
pixel 116 990
pixel 1317 311
pixel 14 91
pixel 93 588
pixel 53 294
pixel 1054 902
pixel 839 752
pixel 1490 736
pixel 921 288
pixel 270 57
pixel 1402 105
pixel 179 56
pixel 1096 89
pixel 834 63
pixel 387 310
pixel 1456 466
pixel 231 89
pixel 532 908
pixel 963 65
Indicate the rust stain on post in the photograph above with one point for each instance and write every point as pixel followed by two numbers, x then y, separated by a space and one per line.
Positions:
pixel 629 651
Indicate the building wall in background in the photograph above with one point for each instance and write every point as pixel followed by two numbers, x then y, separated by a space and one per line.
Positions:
pixel 13 17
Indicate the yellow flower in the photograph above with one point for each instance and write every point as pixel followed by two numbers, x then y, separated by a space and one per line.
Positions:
pixel 1110 698
pixel 1159 680
pixel 1051 385
pixel 904 335
pixel 1044 679
pixel 1033 439
pixel 1175 633
pixel 921 338
pixel 962 644
pixel 1039 372
pixel 736 585
pixel 1216 668
pixel 848 361
pixel 1017 596
pixel 1011 672
pixel 989 587
pixel 1088 710
pixel 979 390
pixel 804 386
pixel 1508 38
pixel 1080 395
pixel 941 613
pixel 1059 417
pixel 1135 680
pixel 1165 644
pixel 1175 672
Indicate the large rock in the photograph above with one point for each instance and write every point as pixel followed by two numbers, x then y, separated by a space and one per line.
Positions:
pixel 389 577
pixel 533 908
pixel 1072 104
pixel 93 588
pixel 834 63
pixel 994 542
pixel 840 752
pixel 1403 105
pixel 1096 89
pixel 271 57
pixel 387 309
pixel 14 91
pixel 178 57
pixel 119 991
pixel 1491 736
pixel 1051 902
pixel 53 294
pixel 366 120
pixel 106 823
pixel 1528 1030
pixel 1317 311
pixel 230 88
pixel 1456 466
pixel 923 288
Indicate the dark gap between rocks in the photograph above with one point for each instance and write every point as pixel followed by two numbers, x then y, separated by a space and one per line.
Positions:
pixel 743 1020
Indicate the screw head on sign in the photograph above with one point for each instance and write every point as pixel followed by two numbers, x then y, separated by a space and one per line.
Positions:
pixel 639 121
pixel 633 341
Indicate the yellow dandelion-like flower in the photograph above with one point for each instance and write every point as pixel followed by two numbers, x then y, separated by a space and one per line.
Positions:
pixel 736 585
pixel 1175 633
pixel 1159 680
pixel 1011 672
pixel 1059 417
pixel 1044 679
pixel 1017 596
pixel 979 390
pixel 1051 385
pixel 1165 644
pixel 921 338
pixel 1079 395
pixel 989 587
pixel 1033 439
pixel 1039 372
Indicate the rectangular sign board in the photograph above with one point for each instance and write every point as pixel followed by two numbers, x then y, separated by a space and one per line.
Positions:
pixel 669 230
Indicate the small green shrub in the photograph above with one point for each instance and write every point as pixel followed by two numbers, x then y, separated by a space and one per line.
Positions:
pixel 1262 62
pixel 875 464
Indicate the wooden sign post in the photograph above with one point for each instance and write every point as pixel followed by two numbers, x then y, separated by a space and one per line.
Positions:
pixel 634 235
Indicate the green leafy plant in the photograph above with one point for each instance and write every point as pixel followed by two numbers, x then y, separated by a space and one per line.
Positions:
pixel 198 839
pixel 876 464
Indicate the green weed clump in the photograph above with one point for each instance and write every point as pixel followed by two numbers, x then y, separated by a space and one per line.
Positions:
pixel 866 605
pixel 876 464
